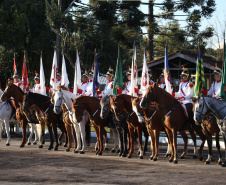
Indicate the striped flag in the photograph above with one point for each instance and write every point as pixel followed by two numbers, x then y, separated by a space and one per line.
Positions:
pixel 199 77
pixel 167 75
pixel 96 79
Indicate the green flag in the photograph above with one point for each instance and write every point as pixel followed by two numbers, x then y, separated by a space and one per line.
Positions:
pixel 223 77
pixel 199 78
pixel 118 80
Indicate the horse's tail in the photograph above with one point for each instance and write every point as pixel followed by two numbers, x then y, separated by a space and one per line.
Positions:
pixel 88 134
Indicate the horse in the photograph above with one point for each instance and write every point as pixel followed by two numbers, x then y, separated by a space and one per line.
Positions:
pixel 172 113
pixel 121 126
pixel 205 105
pixel 63 96
pixel 122 106
pixel 154 125
pixel 12 91
pixel 92 105
pixel 44 112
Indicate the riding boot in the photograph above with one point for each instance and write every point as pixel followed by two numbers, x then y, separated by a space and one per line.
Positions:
pixel 13 115
pixel 189 107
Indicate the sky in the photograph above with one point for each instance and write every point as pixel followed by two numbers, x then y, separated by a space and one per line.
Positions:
pixel 217 21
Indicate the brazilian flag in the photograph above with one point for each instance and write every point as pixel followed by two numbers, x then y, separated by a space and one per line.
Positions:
pixel 199 78
pixel 223 77
pixel 118 80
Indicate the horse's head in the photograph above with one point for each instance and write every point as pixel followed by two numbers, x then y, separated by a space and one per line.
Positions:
pixel 105 106
pixel 58 101
pixel 200 109
pixel 148 97
pixel 77 109
pixel 7 93
pixel 137 109
pixel 117 105
pixel 27 108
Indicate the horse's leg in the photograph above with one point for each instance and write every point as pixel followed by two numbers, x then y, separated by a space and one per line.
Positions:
pixel 146 136
pixel 78 137
pixel 60 138
pixel 157 133
pixel 36 135
pixel 193 136
pixel 7 131
pixel 68 130
pixel 62 127
pixel 41 133
pixel 185 139
pixel 139 132
pixel 97 146
pixel 119 130
pixel 114 133
pixel 124 142
pixel 74 136
pixel 209 141
pixel 50 136
pixel 152 135
pixel 56 136
pixel 82 127
pixel 170 137
pixel 218 148
pixel 199 132
pixel 101 133
pixel 174 131
pixel 132 140
pixel 106 139
pixel 31 134
pixel 169 149
pixel 23 124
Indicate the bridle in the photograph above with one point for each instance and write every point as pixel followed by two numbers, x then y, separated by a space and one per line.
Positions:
pixel 150 97
pixel 61 100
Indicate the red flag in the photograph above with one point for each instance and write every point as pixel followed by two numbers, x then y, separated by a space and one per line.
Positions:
pixel 14 66
pixel 25 82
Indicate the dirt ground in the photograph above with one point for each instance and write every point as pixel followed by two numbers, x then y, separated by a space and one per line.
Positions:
pixel 31 165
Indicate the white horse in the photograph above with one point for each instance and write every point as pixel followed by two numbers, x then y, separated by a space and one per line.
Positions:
pixel 62 96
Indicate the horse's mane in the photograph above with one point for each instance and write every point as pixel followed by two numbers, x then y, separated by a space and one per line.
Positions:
pixel 105 98
pixel 68 93
pixel 164 92
pixel 86 98
pixel 38 97
pixel 17 88
pixel 61 87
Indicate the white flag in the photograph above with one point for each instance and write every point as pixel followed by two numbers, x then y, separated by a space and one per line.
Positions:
pixel 77 77
pixel 134 73
pixel 42 78
pixel 64 79
pixel 144 77
pixel 53 78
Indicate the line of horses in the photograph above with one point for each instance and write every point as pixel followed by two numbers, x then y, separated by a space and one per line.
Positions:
pixel 128 118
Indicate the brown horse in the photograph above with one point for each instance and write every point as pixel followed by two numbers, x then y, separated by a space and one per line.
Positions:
pixel 172 113
pixel 17 94
pixel 122 106
pixel 92 105
pixel 210 126
pixel 154 125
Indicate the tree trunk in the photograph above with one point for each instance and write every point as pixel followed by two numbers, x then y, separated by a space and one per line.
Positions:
pixel 150 47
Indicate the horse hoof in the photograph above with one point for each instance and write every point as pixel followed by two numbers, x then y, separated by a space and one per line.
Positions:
pixel 120 155
pixel 223 164
pixel 29 143
pixel 194 157
pixel 82 152
pixel 175 161
pixel 99 153
pixel 50 148
pixel 171 160
pixel 151 158
pixel 55 149
pixel 21 146
pixel 34 143
pixel 60 143
pixel 207 162
pixel 123 155
pixel 113 151
pixel 40 146
pixel 67 150
pixel 76 151
pixel 117 151
pixel 65 145
pixel 43 142
pixel 8 144
pixel 129 156
pixel 141 157
pixel 155 159
pixel 200 158
pixel 168 155
pixel 182 157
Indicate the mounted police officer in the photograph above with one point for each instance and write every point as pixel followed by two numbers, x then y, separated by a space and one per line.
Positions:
pixel 84 83
pixel 16 80
pixel 162 79
pixel 216 85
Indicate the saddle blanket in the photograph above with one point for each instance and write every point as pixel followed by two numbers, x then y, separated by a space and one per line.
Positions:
pixel 184 109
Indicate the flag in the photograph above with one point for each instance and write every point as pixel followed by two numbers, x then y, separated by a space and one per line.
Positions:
pixel 145 76
pixel 223 77
pixel 96 80
pixel 42 78
pixel 25 81
pixel 167 75
pixel 77 77
pixel 53 78
pixel 14 65
pixel 134 73
pixel 64 79
pixel 199 77
pixel 118 80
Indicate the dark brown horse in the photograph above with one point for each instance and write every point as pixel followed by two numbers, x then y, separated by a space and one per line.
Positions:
pixel 92 105
pixel 122 106
pixel 154 124
pixel 172 113
pixel 17 94
pixel 44 112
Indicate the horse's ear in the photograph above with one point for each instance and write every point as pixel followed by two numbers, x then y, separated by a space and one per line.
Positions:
pixel 60 90
pixel 72 100
pixel 194 99
pixel 20 104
